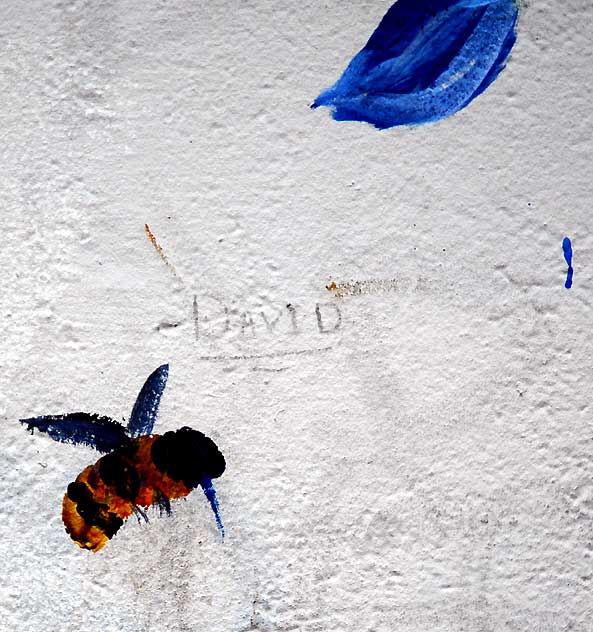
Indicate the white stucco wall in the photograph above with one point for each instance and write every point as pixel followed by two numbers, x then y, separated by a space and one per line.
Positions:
pixel 425 465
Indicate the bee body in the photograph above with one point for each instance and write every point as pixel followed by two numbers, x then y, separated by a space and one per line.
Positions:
pixel 149 470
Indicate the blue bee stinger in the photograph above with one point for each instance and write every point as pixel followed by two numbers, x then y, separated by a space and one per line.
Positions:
pixel 427 60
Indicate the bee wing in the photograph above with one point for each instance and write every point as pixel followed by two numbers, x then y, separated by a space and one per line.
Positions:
pixel 102 433
pixel 146 407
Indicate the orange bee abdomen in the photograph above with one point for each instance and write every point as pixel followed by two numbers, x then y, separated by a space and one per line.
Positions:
pixel 106 493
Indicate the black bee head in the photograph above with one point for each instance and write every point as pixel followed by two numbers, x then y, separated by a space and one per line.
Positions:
pixel 188 455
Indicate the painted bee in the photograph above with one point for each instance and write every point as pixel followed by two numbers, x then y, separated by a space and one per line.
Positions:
pixel 138 470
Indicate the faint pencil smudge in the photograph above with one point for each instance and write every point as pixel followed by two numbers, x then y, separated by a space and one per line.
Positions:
pixel 260 356
pixel 166 325
pixel 264 369
pixel 160 251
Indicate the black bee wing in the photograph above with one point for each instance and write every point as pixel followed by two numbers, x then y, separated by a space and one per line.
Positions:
pixel 146 407
pixel 102 433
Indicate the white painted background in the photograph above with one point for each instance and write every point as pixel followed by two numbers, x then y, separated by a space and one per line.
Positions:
pixel 432 471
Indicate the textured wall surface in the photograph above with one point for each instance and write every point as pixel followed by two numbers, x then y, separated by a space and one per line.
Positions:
pixel 415 458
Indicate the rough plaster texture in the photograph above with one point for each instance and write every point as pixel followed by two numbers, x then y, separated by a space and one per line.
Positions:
pixel 431 468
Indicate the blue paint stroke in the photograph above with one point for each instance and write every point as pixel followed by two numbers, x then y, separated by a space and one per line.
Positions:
pixel 210 494
pixel 426 60
pixel 146 407
pixel 567 249
pixel 102 433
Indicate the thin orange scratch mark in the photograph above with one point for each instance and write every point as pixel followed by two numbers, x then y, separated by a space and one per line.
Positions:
pixel 159 250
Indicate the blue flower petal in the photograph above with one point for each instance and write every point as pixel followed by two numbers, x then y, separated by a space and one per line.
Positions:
pixel 425 61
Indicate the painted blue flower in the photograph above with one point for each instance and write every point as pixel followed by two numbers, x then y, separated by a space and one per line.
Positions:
pixel 427 60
